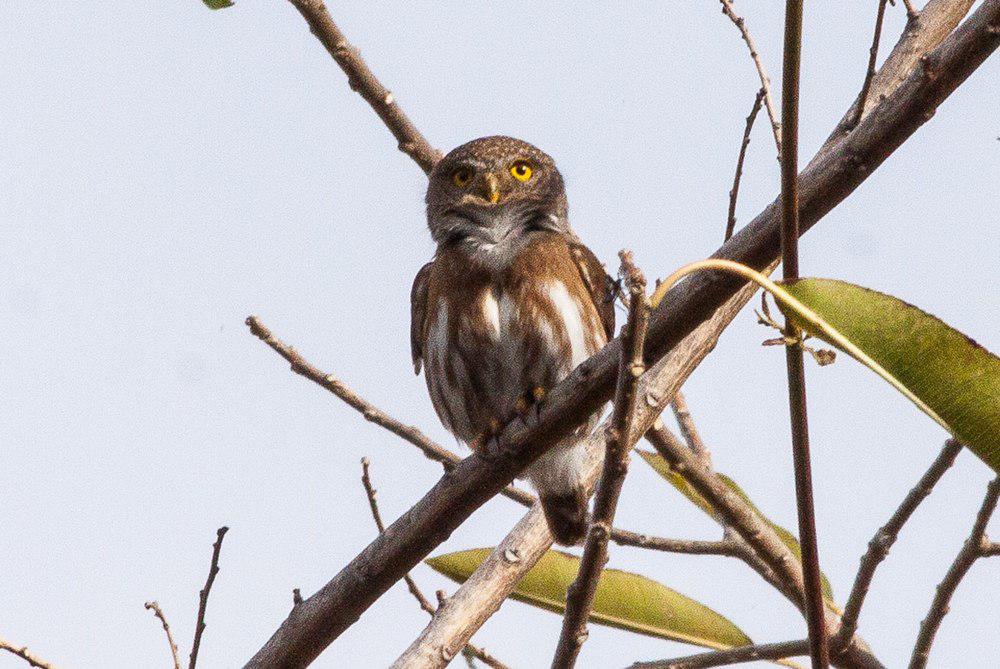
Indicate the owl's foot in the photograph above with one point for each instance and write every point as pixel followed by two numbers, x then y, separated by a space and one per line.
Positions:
pixel 528 405
pixel 491 431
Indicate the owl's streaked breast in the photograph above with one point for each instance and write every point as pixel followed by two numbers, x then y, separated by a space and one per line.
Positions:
pixel 490 339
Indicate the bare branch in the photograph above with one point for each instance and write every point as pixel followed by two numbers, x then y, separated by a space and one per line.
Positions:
pixel 363 81
pixel 734 192
pixel 203 595
pixel 878 547
pixel 923 33
pixel 992 550
pixel 414 589
pixel 25 654
pixel 371 413
pixel 725 547
pixel 872 58
pixel 973 549
pixel 765 81
pixel 580 596
pixel 815 607
pixel 719 658
pixel 688 429
pixel 320 619
pixel 158 612
pixel 482 593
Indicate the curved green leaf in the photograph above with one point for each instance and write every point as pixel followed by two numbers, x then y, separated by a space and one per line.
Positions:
pixel 624 600
pixel 955 377
pixel 663 468
pixel 217 4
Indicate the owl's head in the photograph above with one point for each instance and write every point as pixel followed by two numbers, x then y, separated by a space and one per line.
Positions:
pixel 492 193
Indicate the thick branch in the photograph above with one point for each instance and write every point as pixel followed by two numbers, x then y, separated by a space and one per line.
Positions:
pixel 363 81
pixel 878 547
pixel 719 658
pixel 580 596
pixel 972 550
pixel 422 601
pixel 158 612
pixel 923 33
pixel 213 570
pixel 481 594
pixel 320 619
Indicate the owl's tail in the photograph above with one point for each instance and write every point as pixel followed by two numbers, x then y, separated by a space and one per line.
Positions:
pixel 566 514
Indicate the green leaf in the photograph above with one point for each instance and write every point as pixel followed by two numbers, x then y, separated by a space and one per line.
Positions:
pixel 662 467
pixel 955 377
pixel 624 600
pixel 217 4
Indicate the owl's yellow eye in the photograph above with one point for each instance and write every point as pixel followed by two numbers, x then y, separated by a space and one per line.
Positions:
pixel 521 170
pixel 462 177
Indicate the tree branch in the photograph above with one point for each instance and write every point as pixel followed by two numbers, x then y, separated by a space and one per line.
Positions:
pixel 719 658
pixel 320 619
pixel 363 81
pixel 425 604
pixel 482 594
pixel 25 654
pixel 158 612
pixel 973 549
pixel 734 192
pixel 765 81
pixel 580 596
pixel 924 31
pixel 213 569
pixel 688 429
pixel 878 547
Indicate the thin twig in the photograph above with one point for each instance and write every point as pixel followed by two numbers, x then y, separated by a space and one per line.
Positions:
pixel 580 596
pixel 992 550
pixel 725 547
pixel 872 58
pixel 973 548
pixel 688 429
pixel 735 190
pixel 158 612
pixel 213 569
pixel 25 654
pixel 363 81
pixel 911 12
pixel 878 547
pixel 798 412
pixel 321 619
pixel 425 604
pixel 369 411
pixel 765 81
pixel 719 658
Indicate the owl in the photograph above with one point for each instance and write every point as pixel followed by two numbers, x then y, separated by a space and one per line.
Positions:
pixel 511 303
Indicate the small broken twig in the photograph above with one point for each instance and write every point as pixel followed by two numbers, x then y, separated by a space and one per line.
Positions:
pixel 158 612
pixel 735 190
pixel 872 58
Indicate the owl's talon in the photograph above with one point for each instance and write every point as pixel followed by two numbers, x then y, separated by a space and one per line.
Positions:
pixel 538 393
pixel 490 433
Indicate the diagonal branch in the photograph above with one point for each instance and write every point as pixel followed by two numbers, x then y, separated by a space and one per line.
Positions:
pixel 878 547
pixel 25 654
pixel 414 589
pixel 765 81
pixel 213 570
pixel 580 596
pixel 973 549
pixel 363 81
pixel 482 593
pixel 320 619
pixel 158 612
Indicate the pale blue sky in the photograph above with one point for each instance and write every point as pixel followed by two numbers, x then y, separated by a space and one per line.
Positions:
pixel 166 170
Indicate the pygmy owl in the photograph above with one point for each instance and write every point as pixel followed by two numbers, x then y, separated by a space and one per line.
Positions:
pixel 511 303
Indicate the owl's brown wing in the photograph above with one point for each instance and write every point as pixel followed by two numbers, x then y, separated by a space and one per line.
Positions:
pixel 598 283
pixel 418 314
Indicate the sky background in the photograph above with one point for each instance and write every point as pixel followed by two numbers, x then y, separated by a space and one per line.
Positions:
pixel 166 171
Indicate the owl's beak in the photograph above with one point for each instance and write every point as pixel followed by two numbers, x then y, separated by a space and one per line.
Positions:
pixel 491 188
